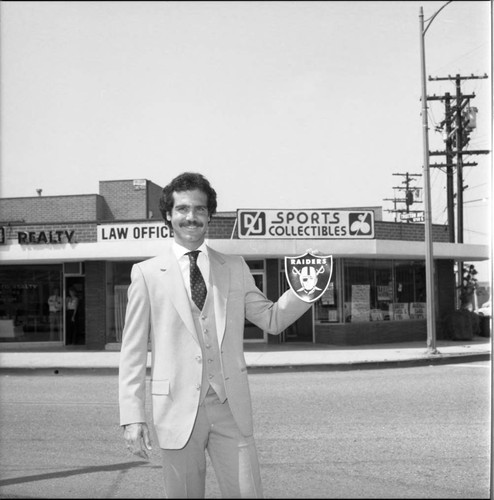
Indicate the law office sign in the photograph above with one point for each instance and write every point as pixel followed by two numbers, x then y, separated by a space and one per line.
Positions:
pixel 305 224
pixel 132 232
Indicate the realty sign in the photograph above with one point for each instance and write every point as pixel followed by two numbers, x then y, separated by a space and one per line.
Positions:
pixel 305 224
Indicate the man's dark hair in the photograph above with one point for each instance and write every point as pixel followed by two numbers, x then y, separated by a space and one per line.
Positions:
pixel 187 181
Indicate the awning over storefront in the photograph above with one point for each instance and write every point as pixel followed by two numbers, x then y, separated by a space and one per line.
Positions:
pixel 140 250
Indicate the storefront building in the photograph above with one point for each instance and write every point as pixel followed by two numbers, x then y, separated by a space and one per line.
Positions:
pixel 65 266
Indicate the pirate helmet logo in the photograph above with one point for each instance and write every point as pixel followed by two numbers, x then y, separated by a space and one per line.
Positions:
pixel 309 275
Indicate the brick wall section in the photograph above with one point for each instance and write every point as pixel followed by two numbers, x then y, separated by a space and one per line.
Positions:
pixel 104 211
pixel 222 225
pixel 408 232
pixel 154 194
pixel 120 201
pixel 125 201
pixel 41 209
pixel 378 332
pixel 95 304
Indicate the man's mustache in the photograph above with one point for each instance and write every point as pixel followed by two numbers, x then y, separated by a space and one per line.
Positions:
pixel 191 224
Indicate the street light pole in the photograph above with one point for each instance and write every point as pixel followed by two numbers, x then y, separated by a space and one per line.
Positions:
pixel 429 258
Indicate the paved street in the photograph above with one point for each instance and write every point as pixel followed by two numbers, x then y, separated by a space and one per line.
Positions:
pixel 417 432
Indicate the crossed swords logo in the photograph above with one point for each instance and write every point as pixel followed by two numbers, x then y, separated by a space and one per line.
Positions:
pixel 305 272
pixel 308 278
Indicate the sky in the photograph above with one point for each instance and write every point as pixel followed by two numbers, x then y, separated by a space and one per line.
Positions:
pixel 294 104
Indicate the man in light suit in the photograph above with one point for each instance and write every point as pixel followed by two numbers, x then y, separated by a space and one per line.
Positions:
pixel 200 393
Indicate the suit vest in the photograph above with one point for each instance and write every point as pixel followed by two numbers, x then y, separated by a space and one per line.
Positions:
pixel 205 325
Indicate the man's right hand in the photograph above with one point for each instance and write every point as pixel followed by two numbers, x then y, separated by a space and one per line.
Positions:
pixel 137 438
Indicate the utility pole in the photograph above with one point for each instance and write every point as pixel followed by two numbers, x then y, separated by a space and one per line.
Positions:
pixel 429 250
pixel 459 121
pixel 412 195
pixel 448 140
pixel 395 210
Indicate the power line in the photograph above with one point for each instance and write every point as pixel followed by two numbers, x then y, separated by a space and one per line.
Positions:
pixel 459 121
pixel 412 194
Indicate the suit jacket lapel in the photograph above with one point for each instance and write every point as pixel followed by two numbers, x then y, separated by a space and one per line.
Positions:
pixel 172 281
pixel 220 278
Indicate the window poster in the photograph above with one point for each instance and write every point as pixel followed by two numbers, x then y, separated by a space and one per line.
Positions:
pixel 360 303
pixel 332 315
pixel 383 292
pixel 418 310
pixel 376 315
pixel 399 310
pixel 327 298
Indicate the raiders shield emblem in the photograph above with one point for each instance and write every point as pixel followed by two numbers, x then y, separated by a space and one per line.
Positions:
pixel 309 275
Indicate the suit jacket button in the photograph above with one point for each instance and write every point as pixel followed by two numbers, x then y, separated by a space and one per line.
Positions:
pixel 198 359
pixel 198 387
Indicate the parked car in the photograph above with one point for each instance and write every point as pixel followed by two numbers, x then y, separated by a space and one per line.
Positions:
pixel 485 310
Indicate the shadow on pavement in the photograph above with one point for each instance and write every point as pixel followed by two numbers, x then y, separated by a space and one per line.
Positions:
pixel 75 472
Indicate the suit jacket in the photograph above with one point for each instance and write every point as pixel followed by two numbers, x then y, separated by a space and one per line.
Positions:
pixel 159 307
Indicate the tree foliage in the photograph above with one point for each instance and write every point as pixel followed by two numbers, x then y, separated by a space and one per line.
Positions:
pixel 468 287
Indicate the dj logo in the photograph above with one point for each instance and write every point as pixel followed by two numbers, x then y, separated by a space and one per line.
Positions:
pixel 309 275
pixel 252 223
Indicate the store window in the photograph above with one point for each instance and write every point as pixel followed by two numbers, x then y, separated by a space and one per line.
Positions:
pixel 409 291
pixel 383 290
pixel 326 309
pixel 368 290
pixel 31 305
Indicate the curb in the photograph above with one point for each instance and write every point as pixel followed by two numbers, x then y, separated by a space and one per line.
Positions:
pixel 252 369
pixel 373 365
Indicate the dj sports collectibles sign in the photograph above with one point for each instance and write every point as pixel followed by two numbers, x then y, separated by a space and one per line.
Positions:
pixel 305 224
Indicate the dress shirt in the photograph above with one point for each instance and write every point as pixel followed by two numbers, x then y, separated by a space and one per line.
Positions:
pixel 184 263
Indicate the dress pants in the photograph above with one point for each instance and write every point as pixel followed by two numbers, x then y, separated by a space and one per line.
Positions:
pixel 233 456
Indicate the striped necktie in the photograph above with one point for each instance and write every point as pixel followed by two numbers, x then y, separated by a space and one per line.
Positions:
pixel 197 284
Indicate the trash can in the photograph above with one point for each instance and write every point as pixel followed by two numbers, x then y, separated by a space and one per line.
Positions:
pixel 485 326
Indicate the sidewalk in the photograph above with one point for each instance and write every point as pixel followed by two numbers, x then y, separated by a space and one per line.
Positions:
pixel 267 357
